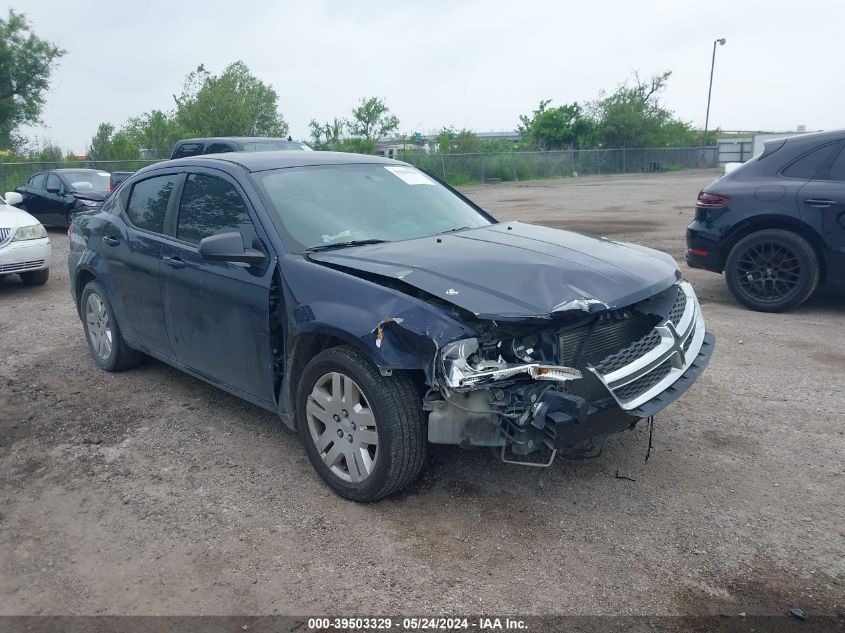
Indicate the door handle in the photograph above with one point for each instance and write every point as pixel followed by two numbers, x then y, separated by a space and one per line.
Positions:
pixel 820 203
pixel 111 241
pixel 174 262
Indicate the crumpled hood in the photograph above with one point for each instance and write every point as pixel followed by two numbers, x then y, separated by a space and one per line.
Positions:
pixel 514 270
pixel 90 194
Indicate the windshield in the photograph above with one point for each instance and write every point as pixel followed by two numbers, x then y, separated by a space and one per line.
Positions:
pixel 269 146
pixel 333 204
pixel 87 180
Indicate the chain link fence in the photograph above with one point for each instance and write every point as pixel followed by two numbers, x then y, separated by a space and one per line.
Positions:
pixel 462 169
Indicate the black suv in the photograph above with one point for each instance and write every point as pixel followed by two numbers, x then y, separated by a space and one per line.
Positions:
pixel 776 225
pixel 221 144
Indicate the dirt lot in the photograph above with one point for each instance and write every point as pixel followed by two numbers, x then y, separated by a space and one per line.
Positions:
pixel 151 492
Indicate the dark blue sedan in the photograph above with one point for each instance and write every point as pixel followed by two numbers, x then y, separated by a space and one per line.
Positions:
pixel 375 309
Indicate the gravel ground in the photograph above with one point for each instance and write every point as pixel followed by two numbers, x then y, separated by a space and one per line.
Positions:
pixel 150 492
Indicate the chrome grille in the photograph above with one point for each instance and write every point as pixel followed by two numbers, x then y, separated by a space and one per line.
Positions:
pixel 5 234
pixel 21 266
pixel 651 364
pixel 677 311
pixel 635 388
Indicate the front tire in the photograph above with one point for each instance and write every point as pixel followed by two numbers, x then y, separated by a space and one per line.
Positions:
pixel 772 270
pixel 105 341
pixel 363 432
pixel 35 277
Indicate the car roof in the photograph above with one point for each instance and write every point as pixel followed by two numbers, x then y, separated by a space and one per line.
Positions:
pixel 235 139
pixel 63 170
pixel 813 138
pixel 280 159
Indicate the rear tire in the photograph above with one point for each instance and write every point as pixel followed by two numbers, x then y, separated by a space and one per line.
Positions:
pixel 105 342
pixel 35 277
pixel 362 431
pixel 772 270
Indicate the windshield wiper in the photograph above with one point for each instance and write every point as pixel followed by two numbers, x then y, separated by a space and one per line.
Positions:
pixel 460 228
pixel 334 245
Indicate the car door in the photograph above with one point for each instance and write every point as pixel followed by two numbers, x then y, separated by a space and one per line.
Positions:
pixel 217 313
pixel 55 204
pixel 132 243
pixel 822 204
pixel 33 196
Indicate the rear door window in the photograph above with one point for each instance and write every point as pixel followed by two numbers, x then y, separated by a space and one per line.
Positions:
pixel 53 182
pixel 147 206
pixel 38 181
pixel 837 169
pixel 809 164
pixel 188 149
pixel 210 206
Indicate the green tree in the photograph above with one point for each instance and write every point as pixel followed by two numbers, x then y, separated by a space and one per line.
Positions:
pixel 235 103
pixel 26 64
pixel 110 145
pixel 564 127
pixel 632 116
pixel 372 120
pixel 451 141
pixel 46 152
pixel 326 136
pixel 154 130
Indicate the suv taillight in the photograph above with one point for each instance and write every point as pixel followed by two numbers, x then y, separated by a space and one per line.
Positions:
pixel 710 200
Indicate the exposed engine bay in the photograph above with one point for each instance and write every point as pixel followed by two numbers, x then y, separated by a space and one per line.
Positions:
pixel 561 386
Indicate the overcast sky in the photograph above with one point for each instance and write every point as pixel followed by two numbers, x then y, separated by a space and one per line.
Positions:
pixel 477 64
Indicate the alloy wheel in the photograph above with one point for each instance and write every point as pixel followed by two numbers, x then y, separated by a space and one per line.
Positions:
pixel 99 326
pixel 768 272
pixel 342 427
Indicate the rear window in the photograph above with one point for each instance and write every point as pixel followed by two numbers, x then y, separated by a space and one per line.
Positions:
pixel 148 202
pixel 269 146
pixel 809 164
pixel 188 149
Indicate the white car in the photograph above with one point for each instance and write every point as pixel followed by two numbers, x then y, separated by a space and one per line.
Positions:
pixel 25 248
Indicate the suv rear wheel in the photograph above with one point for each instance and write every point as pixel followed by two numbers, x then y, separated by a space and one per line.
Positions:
pixel 362 431
pixel 772 270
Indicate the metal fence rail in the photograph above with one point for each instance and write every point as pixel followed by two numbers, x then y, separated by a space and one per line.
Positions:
pixel 461 169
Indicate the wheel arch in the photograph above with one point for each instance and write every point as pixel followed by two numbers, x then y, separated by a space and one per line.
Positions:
pixel 772 221
pixel 83 277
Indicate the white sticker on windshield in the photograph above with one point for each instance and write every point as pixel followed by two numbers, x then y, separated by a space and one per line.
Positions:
pixel 410 175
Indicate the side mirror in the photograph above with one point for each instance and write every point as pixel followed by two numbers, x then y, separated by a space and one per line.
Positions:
pixel 229 247
pixel 53 189
pixel 13 197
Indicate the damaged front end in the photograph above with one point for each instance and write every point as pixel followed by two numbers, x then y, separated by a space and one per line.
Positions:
pixel 564 384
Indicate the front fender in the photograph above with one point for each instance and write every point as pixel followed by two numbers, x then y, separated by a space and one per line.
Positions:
pixel 393 329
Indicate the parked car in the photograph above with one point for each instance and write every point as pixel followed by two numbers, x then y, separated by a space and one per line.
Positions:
pixel 218 145
pixel 55 196
pixel 374 308
pixel 25 248
pixel 776 225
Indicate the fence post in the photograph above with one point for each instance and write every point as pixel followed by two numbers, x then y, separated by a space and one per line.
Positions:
pixel 513 164
pixel 624 161
pixel 443 166
pixel 483 179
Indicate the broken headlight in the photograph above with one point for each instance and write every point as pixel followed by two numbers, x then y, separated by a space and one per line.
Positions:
pixel 465 365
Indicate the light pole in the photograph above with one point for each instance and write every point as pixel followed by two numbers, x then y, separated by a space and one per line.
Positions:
pixel 721 42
